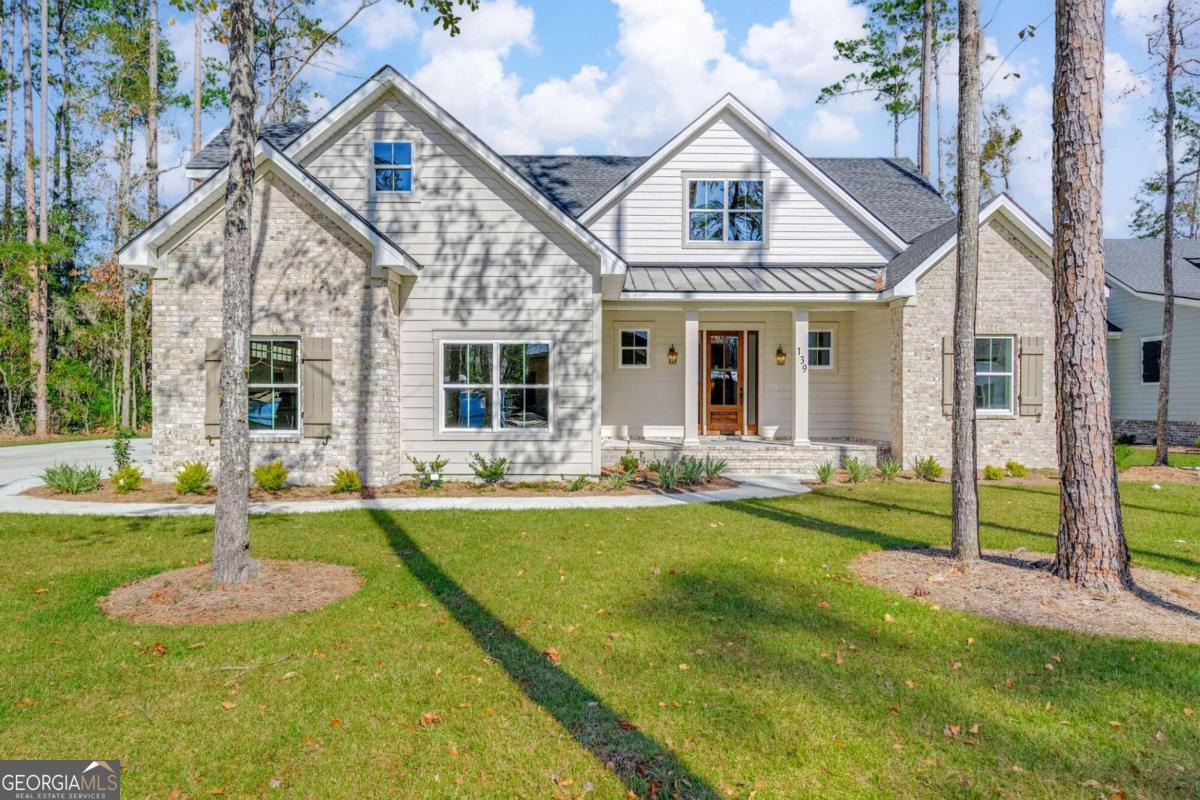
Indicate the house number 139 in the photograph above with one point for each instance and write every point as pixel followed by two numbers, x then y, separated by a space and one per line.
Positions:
pixel 800 354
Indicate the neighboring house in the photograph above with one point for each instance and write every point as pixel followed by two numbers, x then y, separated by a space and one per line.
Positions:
pixel 416 293
pixel 1135 322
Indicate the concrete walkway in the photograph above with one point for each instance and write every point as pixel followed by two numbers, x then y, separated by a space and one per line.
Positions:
pixel 753 487
pixel 26 462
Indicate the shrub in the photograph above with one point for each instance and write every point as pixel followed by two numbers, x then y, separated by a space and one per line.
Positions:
pixel 127 479
pixel 1016 469
pixel 1197 442
pixel 630 462
pixel 655 466
pixel 271 476
pixel 428 473
pixel 856 470
pixel 578 483
pixel 345 480
pixel 122 456
pixel 927 468
pixel 193 477
pixel 825 472
pixel 714 467
pixel 690 470
pixel 889 468
pixel 619 479
pixel 992 473
pixel 1123 455
pixel 668 475
pixel 489 470
pixel 1128 438
pixel 70 479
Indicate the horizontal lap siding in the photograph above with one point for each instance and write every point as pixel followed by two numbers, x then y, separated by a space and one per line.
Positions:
pixel 494 267
pixel 1139 319
pixel 871 374
pixel 804 223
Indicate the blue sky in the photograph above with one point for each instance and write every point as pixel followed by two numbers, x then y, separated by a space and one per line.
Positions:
pixel 621 76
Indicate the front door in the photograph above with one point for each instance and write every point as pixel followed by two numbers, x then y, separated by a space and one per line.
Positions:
pixel 725 376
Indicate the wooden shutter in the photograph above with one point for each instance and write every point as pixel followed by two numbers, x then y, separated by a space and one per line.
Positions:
pixel 317 387
pixel 1032 352
pixel 212 387
pixel 947 375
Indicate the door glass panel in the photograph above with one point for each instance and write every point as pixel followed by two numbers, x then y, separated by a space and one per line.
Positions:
pixel 716 364
pixel 752 380
pixel 731 370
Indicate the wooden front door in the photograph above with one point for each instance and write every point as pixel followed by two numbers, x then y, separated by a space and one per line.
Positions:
pixel 725 378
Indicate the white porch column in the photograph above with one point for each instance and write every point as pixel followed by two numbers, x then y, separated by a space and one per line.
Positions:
pixel 691 377
pixel 800 377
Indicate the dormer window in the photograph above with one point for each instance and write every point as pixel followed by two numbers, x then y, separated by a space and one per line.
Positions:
pixel 392 165
pixel 725 210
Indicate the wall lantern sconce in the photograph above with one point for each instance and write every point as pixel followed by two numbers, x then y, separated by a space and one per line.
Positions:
pixel 780 356
pixel 672 355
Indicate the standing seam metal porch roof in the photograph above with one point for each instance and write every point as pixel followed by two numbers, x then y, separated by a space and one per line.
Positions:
pixel 750 279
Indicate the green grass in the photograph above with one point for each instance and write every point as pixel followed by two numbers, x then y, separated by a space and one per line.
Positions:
pixel 1144 457
pixel 457 608
pixel 23 441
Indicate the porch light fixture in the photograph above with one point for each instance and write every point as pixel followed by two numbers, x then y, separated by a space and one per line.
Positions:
pixel 780 356
pixel 672 355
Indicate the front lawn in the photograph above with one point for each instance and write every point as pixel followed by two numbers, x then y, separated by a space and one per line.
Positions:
pixel 1144 457
pixel 722 650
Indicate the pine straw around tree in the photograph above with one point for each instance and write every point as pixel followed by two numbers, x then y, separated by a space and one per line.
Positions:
pixel 1016 586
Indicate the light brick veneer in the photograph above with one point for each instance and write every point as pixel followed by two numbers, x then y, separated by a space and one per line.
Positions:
pixel 311 279
pixel 1015 299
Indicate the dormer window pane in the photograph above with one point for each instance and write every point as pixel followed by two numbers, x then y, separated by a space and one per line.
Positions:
pixel 392 163
pixel 745 194
pixel 707 194
pixel 730 211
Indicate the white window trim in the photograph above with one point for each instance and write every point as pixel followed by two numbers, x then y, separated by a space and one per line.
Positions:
pixel 622 348
pixel 726 178
pixel 1011 375
pixel 812 365
pixel 495 387
pixel 412 169
pixel 1141 355
pixel 281 432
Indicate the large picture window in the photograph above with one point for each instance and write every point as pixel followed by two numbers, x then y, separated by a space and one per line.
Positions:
pixel 994 374
pixel 274 386
pixel 392 167
pixel 729 211
pixel 493 386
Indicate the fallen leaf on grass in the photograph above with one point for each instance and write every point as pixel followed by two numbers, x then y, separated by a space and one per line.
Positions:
pixel 626 725
pixel 26 702
pixel 39 590
pixel 287 676
pixel 218 790
pixel 552 654
pixel 1187 712
pixel 684 667
pixel 160 649
pixel 430 718
pixel 335 723
pixel 950 731
pixel 1112 723
pixel 228 704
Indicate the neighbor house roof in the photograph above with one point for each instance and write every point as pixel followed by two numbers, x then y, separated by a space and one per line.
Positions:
pixel 1137 265
pixel 771 280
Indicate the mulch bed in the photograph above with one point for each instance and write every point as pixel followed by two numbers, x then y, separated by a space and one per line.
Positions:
pixel 189 596
pixel 165 492
pixel 1016 586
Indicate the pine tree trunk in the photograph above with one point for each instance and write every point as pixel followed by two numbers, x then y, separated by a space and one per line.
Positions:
pixel 1164 366
pixel 231 544
pixel 926 88
pixel 964 533
pixel 36 311
pixel 9 35
pixel 121 234
pixel 937 101
pixel 895 135
pixel 197 84
pixel 151 115
pixel 1091 550
pixel 41 397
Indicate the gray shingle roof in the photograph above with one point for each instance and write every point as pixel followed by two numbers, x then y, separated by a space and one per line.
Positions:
pixel 922 248
pixel 892 189
pixel 1137 263
pixel 574 182
pixel 749 278
pixel 215 154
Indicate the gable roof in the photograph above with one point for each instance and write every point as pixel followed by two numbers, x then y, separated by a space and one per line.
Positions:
pixel 731 105
pixel 574 182
pixel 215 154
pixel 1137 265
pixel 893 189
pixel 141 252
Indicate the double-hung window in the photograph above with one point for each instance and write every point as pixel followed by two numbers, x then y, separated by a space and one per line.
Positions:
pixel 1151 360
pixel 820 349
pixel 635 348
pixel 274 386
pixel 392 167
pixel 994 374
pixel 496 386
pixel 725 210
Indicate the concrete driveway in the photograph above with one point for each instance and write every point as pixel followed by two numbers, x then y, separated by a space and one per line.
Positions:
pixel 24 463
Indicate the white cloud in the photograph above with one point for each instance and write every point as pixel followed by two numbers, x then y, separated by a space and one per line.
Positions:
pixel 1137 17
pixel 1031 168
pixel 1123 88
pixel 799 47
pixel 379 27
pixel 826 126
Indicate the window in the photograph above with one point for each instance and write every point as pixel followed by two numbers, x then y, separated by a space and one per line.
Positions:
pixel 392 167
pixel 274 386
pixel 1151 360
pixel 635 349
pixel 820 349
pixel 725 211
pixel 494 386
pixel 994 374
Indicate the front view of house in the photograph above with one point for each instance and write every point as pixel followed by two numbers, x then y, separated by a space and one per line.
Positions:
pixel 417 294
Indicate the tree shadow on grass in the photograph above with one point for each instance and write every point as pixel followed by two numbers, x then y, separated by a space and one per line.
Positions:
pixel 638 760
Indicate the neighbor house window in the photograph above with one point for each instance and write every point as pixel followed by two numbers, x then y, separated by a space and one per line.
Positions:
pixel 491 386
pixel 392 165
pixel 274 385
pixel 994 374
pixel 1151 360
pixel 725 211
pixel 635 348
pixel 820 349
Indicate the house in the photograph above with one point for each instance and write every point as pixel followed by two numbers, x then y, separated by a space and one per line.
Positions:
pixel 1135 322
pixel 418 294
